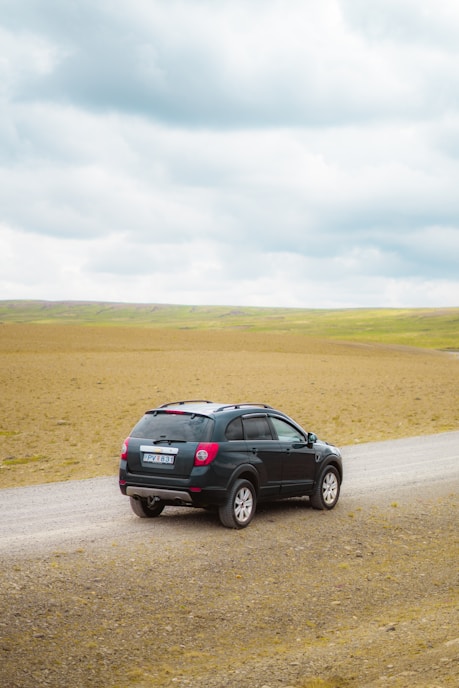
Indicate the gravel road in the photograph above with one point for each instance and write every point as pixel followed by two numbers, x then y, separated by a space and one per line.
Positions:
pixel 44 517
pixel 364 596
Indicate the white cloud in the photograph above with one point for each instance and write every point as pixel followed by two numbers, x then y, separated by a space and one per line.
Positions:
pixel 230 152
pixel 23 56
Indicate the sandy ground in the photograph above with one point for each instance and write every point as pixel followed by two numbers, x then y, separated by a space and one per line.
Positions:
pixel 365 595
pixel 70 395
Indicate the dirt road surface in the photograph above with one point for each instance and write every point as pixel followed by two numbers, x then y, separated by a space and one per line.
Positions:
pixel 44 517
pixel 365 596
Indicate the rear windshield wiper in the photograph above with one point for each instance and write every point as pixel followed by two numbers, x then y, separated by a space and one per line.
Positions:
pixel 166 439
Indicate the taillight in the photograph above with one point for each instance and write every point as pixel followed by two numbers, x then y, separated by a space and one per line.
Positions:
pixel 124 449
pixel 205 453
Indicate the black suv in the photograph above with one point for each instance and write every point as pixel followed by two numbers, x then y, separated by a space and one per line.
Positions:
pixel 228 456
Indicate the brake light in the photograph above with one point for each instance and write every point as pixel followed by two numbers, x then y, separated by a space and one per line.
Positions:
pixel 124 449
pixel 205 453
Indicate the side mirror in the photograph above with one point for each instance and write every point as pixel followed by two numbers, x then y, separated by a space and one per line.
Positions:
pixel 312 438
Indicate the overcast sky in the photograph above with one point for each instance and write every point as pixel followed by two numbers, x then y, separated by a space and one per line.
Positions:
pixel 242 152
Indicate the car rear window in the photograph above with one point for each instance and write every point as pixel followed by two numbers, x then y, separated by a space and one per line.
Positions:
pixel 187 427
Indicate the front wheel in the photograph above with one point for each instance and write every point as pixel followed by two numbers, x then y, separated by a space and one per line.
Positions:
pixel 326 491
pixel 146 507
pixel 239 508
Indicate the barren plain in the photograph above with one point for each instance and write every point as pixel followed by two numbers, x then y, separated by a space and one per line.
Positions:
pixel 71 394
pixel 365 596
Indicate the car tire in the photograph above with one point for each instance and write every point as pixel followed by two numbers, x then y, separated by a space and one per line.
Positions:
pixel 326 491
pixel 146 508
pixel 240 506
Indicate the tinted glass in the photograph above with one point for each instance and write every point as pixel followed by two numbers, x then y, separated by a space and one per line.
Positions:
pixel 257 428
pixel 174 426
pixel 286 432
pixel 234 430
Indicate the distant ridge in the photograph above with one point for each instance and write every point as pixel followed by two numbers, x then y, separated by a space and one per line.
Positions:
pixel 433 328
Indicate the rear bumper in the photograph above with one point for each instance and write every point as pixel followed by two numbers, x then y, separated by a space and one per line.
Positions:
pixel 191 491
pixel 173 495
pixel 180 496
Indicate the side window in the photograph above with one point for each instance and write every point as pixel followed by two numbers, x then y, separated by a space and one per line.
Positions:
pixel 234 430
pixel 257 428
pixel 285 431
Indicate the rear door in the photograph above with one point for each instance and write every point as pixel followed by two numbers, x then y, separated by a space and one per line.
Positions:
pixel 298 460
pixel 262 445
pixel 164 443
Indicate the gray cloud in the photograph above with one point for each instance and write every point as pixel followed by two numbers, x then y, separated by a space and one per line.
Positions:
pixel 237 64
pixel 230 152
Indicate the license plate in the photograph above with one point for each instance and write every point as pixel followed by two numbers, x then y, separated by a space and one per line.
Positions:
pixel 158 458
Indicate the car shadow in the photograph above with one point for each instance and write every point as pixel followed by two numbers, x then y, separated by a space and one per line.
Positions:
pixel 187 517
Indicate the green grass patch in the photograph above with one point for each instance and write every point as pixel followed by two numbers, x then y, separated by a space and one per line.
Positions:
pixel 21 461
pixel 321 683
pixel 420 327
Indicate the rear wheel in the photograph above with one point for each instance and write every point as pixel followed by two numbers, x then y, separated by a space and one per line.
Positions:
pixel 146 507
pixel 326 491
pixel 239 508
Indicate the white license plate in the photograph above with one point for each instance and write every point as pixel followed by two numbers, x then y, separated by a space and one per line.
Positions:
pixel 158 458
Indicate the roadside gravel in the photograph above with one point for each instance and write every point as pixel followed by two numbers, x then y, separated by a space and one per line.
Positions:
pixel 361 596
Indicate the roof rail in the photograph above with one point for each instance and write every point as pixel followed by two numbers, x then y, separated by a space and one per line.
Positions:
pixel 243 405
pixel 186 401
